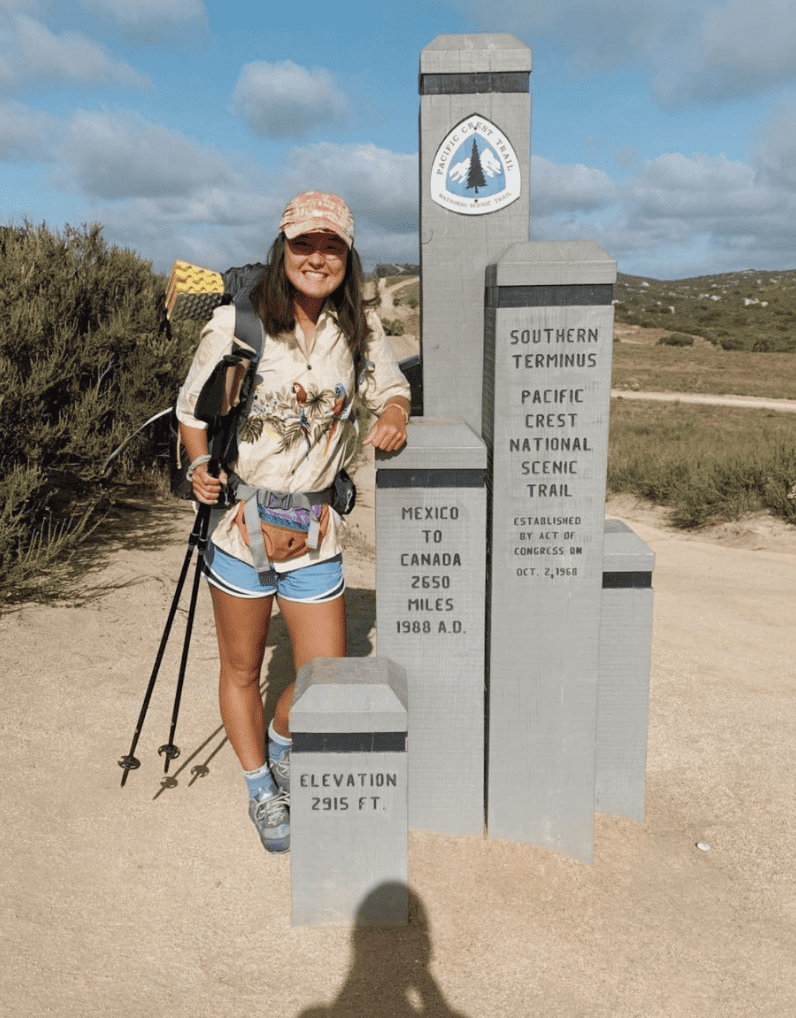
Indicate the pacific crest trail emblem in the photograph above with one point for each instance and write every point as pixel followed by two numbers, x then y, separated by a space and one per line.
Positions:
pixel 475 170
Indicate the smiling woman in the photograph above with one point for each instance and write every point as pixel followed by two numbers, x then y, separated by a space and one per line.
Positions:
pixel 315 266
pixel 322 345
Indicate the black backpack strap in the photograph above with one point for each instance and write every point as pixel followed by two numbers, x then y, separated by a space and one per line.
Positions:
pixel 248 326
pixel 238 284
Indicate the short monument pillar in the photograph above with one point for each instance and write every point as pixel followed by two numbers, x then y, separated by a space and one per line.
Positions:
pixel 348 801
pixel 624 676
pixel 430 594
pixel 548 349
pixel 475 129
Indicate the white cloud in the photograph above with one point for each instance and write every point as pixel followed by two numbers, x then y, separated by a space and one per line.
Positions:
pixel 31 52
pixel 117 154
pixel 379 185
pixel 571 188
pixel 699 187
pixel 678 216
pixel 741 48
pixel 26 134
pixel 776 155
pixel 703 53
pixel 233 220
pixel 285 100
pixel 147 13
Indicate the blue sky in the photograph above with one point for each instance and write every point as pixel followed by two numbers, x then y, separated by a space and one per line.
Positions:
pixel 665 132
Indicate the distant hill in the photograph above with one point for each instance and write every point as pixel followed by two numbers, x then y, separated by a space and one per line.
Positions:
pixel 750 310
pixel 395 269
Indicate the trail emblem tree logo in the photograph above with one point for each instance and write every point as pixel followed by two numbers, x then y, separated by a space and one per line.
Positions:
pixel 475 170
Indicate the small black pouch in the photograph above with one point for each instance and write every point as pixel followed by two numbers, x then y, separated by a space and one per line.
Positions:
pixel 344 493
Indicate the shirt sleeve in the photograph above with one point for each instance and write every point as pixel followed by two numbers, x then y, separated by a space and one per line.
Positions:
pixel 215 341
pixel 380 377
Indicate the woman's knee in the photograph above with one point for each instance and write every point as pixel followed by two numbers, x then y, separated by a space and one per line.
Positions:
pixel 242 631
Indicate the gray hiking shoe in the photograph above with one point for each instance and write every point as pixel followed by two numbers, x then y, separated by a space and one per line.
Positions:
pixel 270 816
pixel 280 768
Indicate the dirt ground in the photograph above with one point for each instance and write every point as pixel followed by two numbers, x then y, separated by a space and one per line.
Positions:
pixel 158 900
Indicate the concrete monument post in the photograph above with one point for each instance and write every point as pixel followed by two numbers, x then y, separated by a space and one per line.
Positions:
pixel 623 688
pixel 348 808
pixel 475 124
pixel 430 582
pixel 475 112
pixel 549 341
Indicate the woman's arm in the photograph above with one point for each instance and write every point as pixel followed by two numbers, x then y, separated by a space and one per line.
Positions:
pixel 389 431
pixel 205 488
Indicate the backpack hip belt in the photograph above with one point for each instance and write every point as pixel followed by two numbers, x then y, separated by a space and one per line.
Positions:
pixel 301 503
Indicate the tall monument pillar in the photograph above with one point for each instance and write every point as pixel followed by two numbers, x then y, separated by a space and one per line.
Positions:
pixel 475 129
pixel 549 343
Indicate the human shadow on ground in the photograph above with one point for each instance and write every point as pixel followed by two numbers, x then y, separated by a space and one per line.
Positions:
pixel 390 973
pixel 361 620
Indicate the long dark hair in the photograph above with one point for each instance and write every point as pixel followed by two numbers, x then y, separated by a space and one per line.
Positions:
pixel 273 295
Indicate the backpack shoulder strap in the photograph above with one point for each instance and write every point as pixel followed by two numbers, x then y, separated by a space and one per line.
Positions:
pixel 248 327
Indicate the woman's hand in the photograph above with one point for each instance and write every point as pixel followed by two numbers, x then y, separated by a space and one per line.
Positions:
pixel 389 431
pixel 206 488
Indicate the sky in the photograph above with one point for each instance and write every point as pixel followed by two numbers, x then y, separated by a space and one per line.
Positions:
pixel 666 132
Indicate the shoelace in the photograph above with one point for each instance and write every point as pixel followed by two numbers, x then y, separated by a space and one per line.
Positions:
pixel 271 810
pixel 282 767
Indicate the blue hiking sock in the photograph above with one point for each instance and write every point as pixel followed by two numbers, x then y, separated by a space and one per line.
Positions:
pixel 260 782
pixel 278 745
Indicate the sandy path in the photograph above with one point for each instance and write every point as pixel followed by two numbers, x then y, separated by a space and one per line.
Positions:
pixel 157 900
pixel 785 405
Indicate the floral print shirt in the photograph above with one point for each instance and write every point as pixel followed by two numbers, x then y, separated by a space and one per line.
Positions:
pixel 300 428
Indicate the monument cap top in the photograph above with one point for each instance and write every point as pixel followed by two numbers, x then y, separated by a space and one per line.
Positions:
pixel 551 262
pixel 432 443
pixel 369 694
pixel 624 551
pixel 480 53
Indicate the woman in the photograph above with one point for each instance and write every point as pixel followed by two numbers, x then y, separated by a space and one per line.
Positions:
pixel 295 438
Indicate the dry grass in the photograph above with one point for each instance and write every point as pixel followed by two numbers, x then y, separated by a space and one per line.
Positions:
pixel 641 364
pixel 706 463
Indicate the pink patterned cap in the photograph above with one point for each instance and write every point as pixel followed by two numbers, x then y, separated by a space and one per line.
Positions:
pixel 316 212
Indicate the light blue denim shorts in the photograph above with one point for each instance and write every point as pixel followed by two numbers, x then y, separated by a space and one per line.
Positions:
pixel 313 584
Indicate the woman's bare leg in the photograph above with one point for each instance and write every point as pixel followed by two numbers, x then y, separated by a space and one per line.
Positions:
pixel 316 630
pixel 242 630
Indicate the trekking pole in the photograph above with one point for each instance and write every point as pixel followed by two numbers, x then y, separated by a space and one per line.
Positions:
pixel 169 750
pixel 220 394
pixel 130 762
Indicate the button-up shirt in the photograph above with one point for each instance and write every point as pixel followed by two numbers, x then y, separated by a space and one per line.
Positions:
pixel 300 429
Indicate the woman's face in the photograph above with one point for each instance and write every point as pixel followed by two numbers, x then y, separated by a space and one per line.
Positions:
pixel 315 263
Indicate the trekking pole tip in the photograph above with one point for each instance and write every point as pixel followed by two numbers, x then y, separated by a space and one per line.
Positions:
pixel 171 752
pixel 128 763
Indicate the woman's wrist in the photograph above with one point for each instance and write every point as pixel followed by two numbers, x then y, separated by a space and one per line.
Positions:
pixel 401 408
pixel 196 463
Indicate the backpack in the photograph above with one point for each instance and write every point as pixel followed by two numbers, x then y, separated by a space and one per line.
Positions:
pixel 225 396
pixel 230 385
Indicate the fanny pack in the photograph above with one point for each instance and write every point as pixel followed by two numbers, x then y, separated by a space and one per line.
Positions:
pixel 282 525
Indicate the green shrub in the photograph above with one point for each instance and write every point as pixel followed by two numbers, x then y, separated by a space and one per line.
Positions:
pixel 676 339
pixel 85 357
pixel 732 342
pixel 393 327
